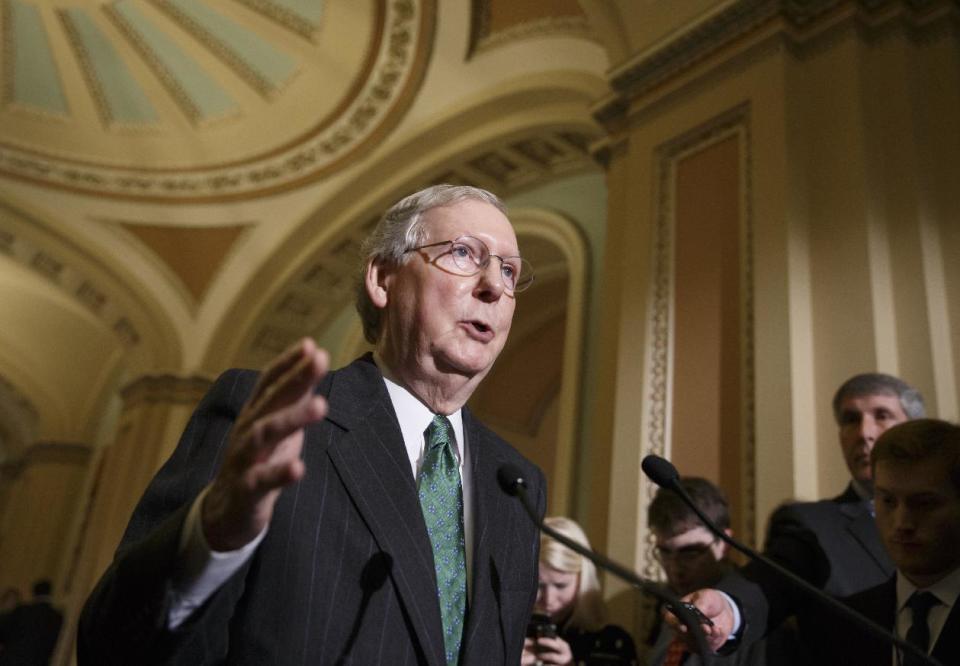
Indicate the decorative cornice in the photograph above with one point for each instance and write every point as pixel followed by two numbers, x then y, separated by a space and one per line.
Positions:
pixel 47 453
pixel 165 389
pixel 798 21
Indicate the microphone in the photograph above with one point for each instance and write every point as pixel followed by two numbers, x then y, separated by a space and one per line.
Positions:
pixel 513 483
pixel 662 472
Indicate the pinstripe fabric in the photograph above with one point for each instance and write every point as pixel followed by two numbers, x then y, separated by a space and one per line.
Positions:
pixel 345 573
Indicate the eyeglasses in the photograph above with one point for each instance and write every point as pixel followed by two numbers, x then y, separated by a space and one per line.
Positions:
pixel 471 255
pixel 683 554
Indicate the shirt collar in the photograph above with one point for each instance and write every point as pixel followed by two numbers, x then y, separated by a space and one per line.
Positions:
pixel 414 417
pixel 947 589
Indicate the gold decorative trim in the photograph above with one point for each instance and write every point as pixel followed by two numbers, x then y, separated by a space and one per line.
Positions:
pixel 86 67
pixel 166 78
pixel 395 73
pixel 283 17
pixel 263 86
pixel 734 123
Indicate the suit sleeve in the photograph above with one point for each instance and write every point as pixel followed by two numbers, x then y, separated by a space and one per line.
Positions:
pixel 765 598
pixel 124 620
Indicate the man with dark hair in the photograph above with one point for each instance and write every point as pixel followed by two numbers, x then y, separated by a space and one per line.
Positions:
pixel 29 632
pixel 692 557
pixel 834 543
pixel 354 516
pixel 916 472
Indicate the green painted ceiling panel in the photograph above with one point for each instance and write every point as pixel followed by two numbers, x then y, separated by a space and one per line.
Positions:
pixel 268 64
pixel 206 97
pixel 36 81
pixel 124 99
pixel 308 10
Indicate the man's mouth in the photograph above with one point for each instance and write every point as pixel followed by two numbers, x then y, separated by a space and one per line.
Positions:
pixel 478 330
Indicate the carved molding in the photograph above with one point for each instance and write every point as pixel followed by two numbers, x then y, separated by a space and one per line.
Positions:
pixel 47 453
pixel 658 380
pixel 797 22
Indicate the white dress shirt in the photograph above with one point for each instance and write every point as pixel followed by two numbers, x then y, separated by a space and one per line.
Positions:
pixel 947 589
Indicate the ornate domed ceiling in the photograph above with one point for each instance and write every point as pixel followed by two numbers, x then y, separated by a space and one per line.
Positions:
pixel 191 100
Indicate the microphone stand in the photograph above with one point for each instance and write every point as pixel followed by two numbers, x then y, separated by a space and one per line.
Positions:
pixel 512 482
pixel 664 474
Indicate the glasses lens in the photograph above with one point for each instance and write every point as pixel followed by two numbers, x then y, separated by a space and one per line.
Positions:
pixel 682 555
pixel 469 254
pixel 521 273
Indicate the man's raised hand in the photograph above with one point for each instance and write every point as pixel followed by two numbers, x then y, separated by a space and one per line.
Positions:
pixel 263 453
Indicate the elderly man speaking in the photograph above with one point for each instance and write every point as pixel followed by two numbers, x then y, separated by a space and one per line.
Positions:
pixel 353 516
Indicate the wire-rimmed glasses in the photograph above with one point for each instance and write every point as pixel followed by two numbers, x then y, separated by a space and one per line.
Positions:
pixel 471 255
pixel 684 554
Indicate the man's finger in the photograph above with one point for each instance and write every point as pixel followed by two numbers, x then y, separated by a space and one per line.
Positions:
pixel 264 435
pixel 297 381
pixel 282 364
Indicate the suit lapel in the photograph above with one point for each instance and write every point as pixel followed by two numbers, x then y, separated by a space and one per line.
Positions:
pixel 372 462
pixel 487 498
pixel 863 528
pixel 947 647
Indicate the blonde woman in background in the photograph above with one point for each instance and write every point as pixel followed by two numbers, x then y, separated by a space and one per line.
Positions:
pixel 568 625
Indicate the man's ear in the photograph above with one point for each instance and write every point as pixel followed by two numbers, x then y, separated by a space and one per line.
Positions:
pixel 723 545
pixel 377 282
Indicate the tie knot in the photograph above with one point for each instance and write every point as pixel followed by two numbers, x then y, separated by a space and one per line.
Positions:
pixel 439 432
pixel 921 603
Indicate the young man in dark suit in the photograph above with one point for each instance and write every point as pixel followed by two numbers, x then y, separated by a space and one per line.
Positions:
pixel 692 557
pixel 309 517
pixel 833 543
pixel 917 490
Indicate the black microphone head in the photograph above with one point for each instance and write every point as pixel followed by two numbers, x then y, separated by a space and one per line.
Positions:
pixel 660 470
pixel 510 479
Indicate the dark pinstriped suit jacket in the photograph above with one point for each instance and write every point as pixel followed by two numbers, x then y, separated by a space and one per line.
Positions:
pixel 345 573
pixel 833 544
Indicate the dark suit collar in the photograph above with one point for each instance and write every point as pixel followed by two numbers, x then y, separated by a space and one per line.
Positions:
pixel 863 527
pixel 849 496
pixel 947 647
pixel 373 465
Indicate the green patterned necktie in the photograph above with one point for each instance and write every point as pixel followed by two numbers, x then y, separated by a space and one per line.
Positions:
pixel 442 503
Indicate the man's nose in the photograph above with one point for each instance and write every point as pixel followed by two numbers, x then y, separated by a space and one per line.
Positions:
pixel 903 520
pixel 868 429
pixel 490 285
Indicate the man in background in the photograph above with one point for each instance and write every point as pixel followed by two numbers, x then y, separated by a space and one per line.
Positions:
pixel 692 557
pixel 29 632
pixel 916 472
pixel 833 544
